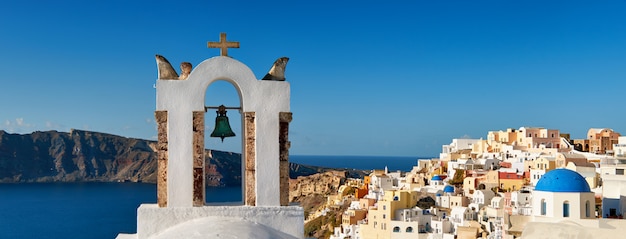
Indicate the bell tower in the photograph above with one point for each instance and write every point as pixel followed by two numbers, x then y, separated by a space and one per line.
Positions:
pixel 266 116
pixel 180 110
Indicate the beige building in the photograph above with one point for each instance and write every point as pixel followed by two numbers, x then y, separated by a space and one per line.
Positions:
pixel 539 137
pixel 525 138
pixel 352 216
pixel 599 140
pixel 481 147
pixel 562 159
pixel 491 180
pixel 505 137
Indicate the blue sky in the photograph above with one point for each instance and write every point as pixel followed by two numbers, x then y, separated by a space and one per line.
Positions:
pixel 367 77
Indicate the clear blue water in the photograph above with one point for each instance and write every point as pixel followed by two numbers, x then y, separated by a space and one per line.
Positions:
pixel 80 210
pixel 71 210
pixel 102 210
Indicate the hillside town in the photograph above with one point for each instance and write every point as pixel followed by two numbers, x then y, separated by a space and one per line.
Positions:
pixel 529 182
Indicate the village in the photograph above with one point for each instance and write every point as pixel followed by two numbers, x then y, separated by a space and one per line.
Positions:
pixel 517 183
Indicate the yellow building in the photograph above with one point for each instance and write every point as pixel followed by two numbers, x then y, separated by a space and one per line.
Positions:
pixel 511 181
pixel 504 179
pixel 379 219
pixel 469 185
pixel 366 180
pixel 546 163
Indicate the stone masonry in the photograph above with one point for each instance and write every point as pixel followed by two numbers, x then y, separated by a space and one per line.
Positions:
pixel 161 120
pixel 250 156
pixel 284 145
pixel 198 159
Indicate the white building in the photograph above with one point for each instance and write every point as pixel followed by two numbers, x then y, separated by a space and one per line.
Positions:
pixel 456 145
pixel 459 216
pixel 441 229
pixel 481 198
pixel 613 190
pixel 346 231
pixel 535 175
pixel 620 148
pixel 521 202
pixel 378 184
pixel 407 223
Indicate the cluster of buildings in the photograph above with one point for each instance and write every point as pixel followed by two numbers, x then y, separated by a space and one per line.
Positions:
pixel 518 183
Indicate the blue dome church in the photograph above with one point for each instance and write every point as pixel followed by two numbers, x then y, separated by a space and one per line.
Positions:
pixel 562 194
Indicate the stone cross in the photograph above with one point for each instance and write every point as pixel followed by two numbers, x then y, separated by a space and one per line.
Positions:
pixel 223 44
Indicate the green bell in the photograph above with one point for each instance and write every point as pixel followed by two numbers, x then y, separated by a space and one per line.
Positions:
pixel 222 127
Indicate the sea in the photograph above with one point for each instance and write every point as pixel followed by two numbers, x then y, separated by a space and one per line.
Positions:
pixel 103 210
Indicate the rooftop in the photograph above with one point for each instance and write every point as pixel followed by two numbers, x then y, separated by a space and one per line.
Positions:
pixel 562 180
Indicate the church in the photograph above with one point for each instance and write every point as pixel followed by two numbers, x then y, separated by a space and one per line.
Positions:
pixel 563 194
pixel 564 207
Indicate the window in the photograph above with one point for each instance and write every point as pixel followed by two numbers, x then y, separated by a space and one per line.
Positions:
pixel 566 209
pixel 409 229
pixel 543 207
pixel 396 229
pixel 587 209
pixel 619 171
pixel 384 216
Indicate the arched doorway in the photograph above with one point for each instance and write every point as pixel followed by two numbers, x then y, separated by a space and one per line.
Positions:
pixel 223 161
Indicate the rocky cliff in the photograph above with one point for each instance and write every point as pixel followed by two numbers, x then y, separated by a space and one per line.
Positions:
pixel 325 183
pixel 79 155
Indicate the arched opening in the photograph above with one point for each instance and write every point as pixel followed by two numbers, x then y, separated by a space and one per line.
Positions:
pixel 396 229
pixel 223 159
pixel 566 209
pixel 409 229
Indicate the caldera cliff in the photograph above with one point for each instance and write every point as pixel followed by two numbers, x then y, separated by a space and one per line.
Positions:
pixel 80 156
